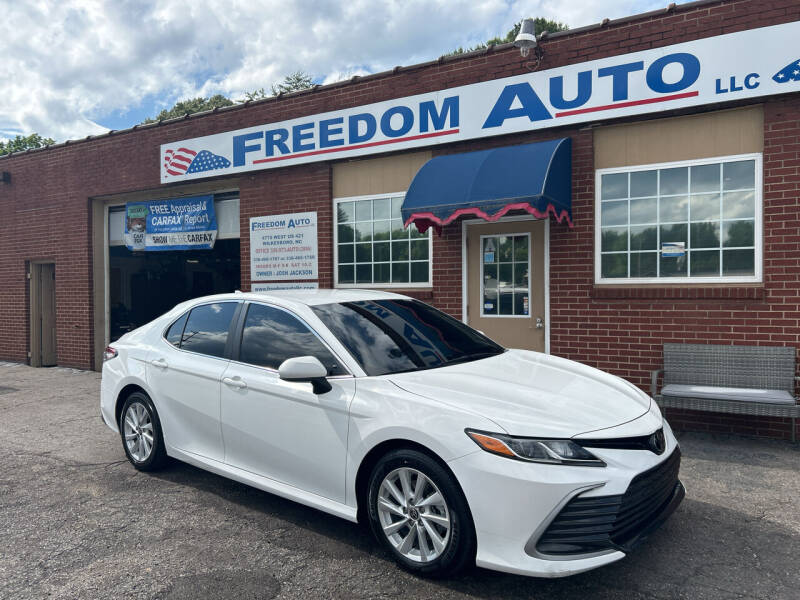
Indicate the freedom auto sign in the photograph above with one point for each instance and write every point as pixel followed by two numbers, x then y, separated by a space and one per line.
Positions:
pixel 746 64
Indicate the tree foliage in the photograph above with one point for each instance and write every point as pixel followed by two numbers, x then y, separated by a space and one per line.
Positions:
pixel 299 80
pixel 193 105
pixel 21 143
pixel 540 25
pixel 294 82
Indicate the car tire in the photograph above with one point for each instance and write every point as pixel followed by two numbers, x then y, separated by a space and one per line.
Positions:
pixel 140 431
pixel 431 532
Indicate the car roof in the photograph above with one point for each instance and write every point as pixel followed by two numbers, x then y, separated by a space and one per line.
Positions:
pixel 307 297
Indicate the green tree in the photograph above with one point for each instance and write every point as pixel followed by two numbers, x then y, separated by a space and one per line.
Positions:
pixel 193 105
pixel 258 94
pixel 294 82
pixel 540 25
pixel 21 143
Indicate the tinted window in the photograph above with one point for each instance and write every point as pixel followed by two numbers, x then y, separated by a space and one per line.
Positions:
pixel 390 336
pixel 176 330
pixel 271 335
pixel 206 330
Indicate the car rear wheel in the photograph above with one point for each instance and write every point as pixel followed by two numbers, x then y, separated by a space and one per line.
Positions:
pixel 140 430
pixel 418 512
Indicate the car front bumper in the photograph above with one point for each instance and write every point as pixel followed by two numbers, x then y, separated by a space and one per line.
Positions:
pixel 514 502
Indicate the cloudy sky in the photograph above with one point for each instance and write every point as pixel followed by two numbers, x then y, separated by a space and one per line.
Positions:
pixel 71 68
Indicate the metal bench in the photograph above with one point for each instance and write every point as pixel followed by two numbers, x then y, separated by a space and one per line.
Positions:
pixel 745 380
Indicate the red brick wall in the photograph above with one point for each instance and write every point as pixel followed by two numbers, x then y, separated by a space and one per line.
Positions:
pixel 45 211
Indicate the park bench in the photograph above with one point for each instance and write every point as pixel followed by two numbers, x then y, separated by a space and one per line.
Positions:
pixel 745 380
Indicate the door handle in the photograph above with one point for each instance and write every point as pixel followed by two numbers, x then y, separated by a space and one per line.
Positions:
pixel 539 323
pixel 160 363
pixel 235 382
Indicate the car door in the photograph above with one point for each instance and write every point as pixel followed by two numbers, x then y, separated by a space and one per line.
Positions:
pixel 281 429
pixel 184 371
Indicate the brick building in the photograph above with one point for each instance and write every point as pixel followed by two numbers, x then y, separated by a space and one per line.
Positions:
pixel 674 217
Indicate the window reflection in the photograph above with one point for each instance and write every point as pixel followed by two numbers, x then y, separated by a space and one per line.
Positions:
pixel 271 336
pixel 389 336
pixel 206 330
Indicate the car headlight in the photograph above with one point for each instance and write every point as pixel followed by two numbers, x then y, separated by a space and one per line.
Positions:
pixel 559 452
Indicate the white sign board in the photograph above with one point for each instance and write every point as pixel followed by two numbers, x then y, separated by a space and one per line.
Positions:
pixel 731 67
pixel 270 287
pixel 283 247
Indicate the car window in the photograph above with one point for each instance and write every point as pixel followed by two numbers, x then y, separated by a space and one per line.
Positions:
pixel 206 330
pixel 272 335
pixel 391 336
pixel 175 331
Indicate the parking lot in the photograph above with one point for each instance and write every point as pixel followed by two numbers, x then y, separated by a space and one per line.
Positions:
pixel 77 521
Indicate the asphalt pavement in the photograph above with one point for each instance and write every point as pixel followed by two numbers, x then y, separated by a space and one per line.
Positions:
pixel 77 521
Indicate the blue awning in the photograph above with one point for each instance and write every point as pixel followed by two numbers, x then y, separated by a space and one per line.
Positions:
pixel 536 178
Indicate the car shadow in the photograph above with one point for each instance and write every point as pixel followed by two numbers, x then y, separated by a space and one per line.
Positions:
pixel 703 550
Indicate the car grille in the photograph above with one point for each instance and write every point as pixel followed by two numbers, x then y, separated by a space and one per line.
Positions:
pixel 587 525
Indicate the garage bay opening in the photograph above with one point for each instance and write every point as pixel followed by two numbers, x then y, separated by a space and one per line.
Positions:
pixel 144 284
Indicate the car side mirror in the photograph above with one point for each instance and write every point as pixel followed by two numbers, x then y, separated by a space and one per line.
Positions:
pixel 306 369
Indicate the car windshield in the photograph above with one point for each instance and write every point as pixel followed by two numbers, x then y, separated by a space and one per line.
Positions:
pixel 394 336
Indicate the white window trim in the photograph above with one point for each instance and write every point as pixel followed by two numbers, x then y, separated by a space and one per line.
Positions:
pixel 379 286
pixel 499 316
pixel 667 281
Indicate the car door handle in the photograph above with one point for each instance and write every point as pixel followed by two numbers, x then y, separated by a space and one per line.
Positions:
pixel 235 382
pixel 160 363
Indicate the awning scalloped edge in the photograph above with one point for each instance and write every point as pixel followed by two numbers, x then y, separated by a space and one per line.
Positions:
pixel 428 219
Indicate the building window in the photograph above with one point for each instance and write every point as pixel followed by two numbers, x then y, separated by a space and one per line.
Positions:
pixel 505 266
pixel 693 221
pixel 373 249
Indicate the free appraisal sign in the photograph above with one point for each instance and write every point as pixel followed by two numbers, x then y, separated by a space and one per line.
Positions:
pixel 178 224
pixel 725 68
pixel 284 247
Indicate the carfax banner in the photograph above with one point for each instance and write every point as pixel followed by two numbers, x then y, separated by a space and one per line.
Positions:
pixel 179 224
pixel 725 68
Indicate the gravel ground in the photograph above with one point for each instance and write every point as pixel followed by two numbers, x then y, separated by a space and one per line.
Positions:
pixel 77 521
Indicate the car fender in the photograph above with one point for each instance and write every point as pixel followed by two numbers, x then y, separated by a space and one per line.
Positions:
pixel 382 412
pixel 128 368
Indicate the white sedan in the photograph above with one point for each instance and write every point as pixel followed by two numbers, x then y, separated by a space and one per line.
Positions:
pixel 377 407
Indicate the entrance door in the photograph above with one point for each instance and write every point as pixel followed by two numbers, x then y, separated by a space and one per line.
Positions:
pixel 43 315
pixel 505 282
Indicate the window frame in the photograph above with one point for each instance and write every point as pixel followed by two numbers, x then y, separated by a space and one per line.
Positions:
pixel 758 242
pixel 232 328
pixel 236 344
pixel 483 315
pixel 388 285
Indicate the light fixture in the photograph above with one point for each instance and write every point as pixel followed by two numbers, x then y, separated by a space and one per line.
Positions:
pixel 526 40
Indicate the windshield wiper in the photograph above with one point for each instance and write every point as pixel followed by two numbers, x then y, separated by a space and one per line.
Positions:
pixel 471 357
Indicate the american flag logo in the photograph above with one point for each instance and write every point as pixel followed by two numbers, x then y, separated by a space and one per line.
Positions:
pixel 184 161
pixel 790 72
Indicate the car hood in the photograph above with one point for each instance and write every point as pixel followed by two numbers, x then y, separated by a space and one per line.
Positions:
pixel 532 394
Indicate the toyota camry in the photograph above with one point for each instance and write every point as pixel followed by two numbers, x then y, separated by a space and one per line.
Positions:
pixel 378 408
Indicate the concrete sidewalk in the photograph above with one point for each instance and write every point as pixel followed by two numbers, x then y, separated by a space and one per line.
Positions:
pixel 77 521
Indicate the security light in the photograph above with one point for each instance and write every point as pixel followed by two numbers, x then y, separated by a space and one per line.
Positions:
pixel 526 38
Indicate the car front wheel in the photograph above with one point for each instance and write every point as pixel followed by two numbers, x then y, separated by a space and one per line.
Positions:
pixel 418 512
pixel 141 433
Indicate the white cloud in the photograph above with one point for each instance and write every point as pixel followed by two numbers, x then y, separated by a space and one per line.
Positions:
pixel 67 63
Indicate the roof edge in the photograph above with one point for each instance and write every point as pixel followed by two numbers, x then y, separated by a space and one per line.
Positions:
pixel 605 23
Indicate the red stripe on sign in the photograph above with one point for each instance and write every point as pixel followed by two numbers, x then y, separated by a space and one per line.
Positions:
pixel 357 146
pixel 183 158
pixel 192 152
pixel 171 172
pixel 580 111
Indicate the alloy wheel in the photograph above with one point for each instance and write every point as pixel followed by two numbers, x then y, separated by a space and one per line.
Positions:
pixel 413 514
pixel 138 430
